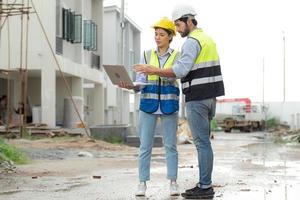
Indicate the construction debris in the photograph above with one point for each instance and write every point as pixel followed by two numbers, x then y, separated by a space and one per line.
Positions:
pixel 283 133
pixel 85 154
pixel 7 167
pixel 184 134
pixel 39 130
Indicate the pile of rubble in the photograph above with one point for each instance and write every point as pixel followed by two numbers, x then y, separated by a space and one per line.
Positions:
pixel 7 167
pixel 184 134
pixel 285 134
pixel 39 130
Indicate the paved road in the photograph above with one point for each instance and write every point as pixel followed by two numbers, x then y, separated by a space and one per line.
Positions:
pixel 247 166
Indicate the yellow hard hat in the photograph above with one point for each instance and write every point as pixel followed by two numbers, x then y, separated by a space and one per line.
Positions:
pixel 166 24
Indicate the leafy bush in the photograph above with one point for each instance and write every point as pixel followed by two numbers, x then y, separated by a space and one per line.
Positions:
pixel 114 140
pixel 8 152
pixel 272 122
pixel 214 124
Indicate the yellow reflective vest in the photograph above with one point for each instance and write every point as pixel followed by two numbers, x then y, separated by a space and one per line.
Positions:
pixel 205 78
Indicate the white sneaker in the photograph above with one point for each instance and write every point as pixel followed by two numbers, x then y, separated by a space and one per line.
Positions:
pixel 174 189
pixel 141 189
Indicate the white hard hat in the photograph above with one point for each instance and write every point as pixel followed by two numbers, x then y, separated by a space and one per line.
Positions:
pixel 182 10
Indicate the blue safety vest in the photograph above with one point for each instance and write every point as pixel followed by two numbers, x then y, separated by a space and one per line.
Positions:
pixel 161 92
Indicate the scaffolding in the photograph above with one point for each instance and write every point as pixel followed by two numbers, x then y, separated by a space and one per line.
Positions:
pixel 24 9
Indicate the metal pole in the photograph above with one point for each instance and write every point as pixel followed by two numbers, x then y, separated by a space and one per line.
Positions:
pixel 0 20
pixel 122 57
pixel 263 87
pixel 283 66
pixel 122 25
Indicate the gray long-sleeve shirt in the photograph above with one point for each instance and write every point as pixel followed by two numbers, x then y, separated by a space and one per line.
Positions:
pixel 189 52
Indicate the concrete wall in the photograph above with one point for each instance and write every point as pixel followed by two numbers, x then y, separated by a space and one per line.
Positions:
pixel 117 101
pixel 287 112
pixel 111 53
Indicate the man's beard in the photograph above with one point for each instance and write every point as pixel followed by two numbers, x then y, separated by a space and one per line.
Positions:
pixel 185 33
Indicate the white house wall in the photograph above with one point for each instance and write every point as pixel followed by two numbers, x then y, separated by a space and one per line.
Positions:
pixel 117 102
pixel 75 61
pixel 110 45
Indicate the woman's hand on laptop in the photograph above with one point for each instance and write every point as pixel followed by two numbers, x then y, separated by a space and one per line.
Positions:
pixel 126 86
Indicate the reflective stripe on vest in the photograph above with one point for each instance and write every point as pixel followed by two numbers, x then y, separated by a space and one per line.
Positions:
pixel 199 81
pixel 205 64
pixel 163 94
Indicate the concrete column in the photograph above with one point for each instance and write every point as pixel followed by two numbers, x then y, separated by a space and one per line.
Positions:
pixel 48 95
pixel 98 104
pixel 125 108
pixel 77 87
pixel 118 115
pixel 136 111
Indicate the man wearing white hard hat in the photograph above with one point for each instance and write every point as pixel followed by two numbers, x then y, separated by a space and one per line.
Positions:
pixel 199 69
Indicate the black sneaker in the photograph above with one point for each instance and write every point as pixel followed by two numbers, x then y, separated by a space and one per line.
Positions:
pixel 199 193
pixel 193 190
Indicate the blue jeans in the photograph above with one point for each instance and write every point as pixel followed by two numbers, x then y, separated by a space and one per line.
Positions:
pixel 147 124
pixel 199 114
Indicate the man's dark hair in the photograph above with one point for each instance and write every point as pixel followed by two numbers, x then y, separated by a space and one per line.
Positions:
pixel 185 18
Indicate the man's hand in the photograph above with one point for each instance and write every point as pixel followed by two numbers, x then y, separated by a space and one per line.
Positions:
pixel 151 70
pixel 145 69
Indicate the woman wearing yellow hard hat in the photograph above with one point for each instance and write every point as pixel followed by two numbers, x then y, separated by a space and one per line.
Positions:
pixel 159 99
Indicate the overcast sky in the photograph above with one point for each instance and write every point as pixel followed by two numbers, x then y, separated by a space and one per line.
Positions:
pixel 246 33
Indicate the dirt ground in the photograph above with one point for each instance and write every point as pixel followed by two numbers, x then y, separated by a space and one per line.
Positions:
pixel 247 166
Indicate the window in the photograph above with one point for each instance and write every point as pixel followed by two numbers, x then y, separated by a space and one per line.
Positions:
pixel 90 35
pixel 77 36
pixel 65 23
pixel 72 26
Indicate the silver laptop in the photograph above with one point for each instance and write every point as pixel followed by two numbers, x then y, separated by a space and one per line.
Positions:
pixel 118 73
